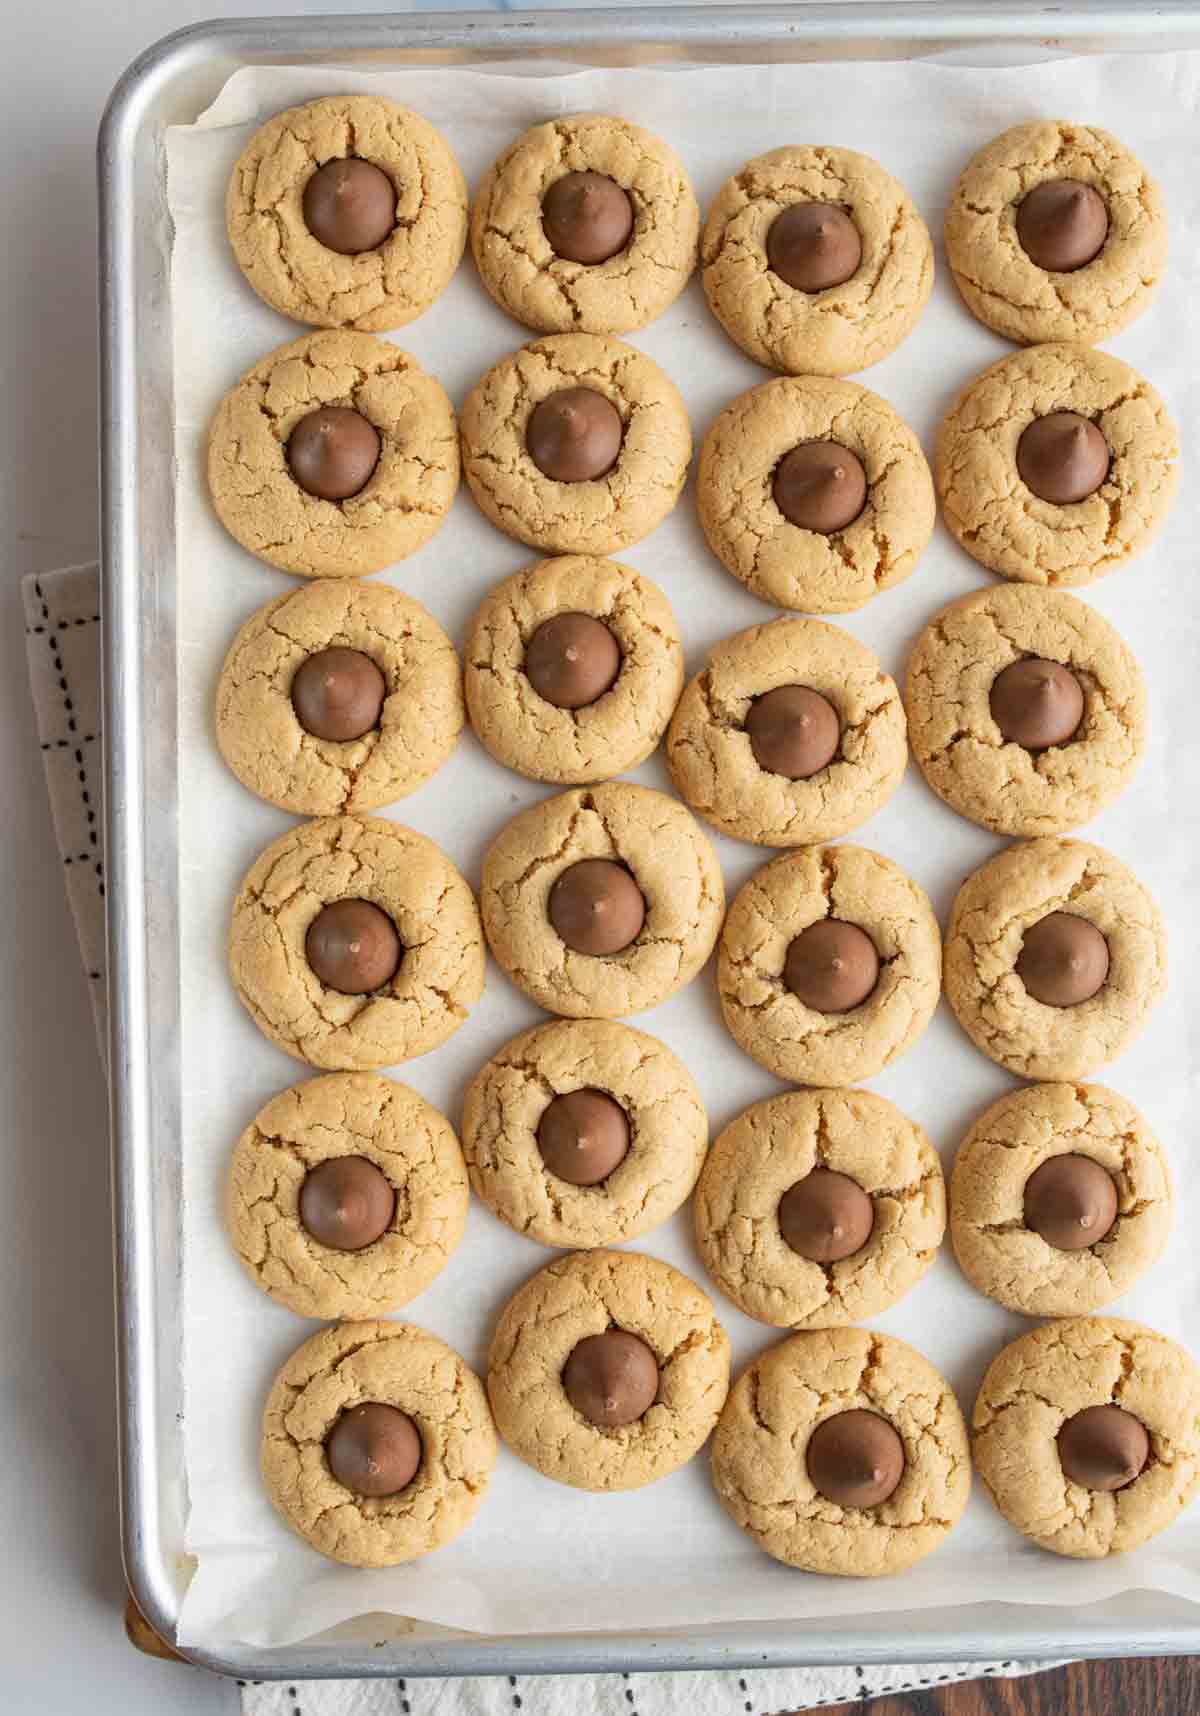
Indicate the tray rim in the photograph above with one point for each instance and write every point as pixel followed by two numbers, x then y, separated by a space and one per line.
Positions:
pixel 1144 1624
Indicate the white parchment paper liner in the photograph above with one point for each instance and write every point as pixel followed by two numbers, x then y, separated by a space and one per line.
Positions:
pixel 670 1556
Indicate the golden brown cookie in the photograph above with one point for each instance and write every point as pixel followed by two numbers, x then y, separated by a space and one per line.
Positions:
pixel 742 1214
pixel 840 328
pixel 784 562
pixel 785 1029
pixel 411 883
pixel 714 750
pixel 995 775
pixel 1054 293
pixel 1036 1386
pixel 404 498
pixel 630 678
pixel 642 833
pixel 598 515
pixel 761 1453
pixel 359 1117
pixel 988 945
pixel 513 1107
pixel 410 261
pixel 418 693
pixel 1025 1267
pixel 999 519
pixel 389 1364
pixel 559 293
pixel 589 1294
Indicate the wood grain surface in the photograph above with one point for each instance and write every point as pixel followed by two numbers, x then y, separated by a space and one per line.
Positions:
pixel 1155 1686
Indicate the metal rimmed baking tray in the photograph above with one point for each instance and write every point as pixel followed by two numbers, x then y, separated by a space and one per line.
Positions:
pixel 171 84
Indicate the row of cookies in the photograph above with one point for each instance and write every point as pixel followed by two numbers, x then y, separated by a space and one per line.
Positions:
pixel 337 455
pixel 355 943
pixel 351 212
pixel 839 1451
pixel 347 1195
pixel 1025 710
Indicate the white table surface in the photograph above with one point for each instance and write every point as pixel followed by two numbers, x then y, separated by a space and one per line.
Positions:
pixel 62 1647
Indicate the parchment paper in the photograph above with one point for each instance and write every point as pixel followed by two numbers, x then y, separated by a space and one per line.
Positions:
pixel 541 1556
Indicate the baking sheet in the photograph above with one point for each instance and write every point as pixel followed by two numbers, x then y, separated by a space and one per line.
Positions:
pixel 541 1557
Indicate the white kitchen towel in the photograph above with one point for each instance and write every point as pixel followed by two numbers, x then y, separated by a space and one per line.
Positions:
pixel 62 612
pixel 62 637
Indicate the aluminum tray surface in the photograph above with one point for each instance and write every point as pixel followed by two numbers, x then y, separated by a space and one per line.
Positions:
pixel 169 84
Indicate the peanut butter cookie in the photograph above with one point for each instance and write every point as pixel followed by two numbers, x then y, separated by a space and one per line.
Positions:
pixel 333 456
pixel 792 733
pixel 346 1196
pixel 1087 1434
pixel 1055 231
pixel 815 260
pixel 584 1132
pixel 602 901
pixel 1060 1198
pixel 815 494
pixel 830 965
pixel 576 444
pixel 586 224
pixel 340 696
pixel 362 1407
pixel 348 212
pixel 607 1370
pixel 1026 711
pixel 1055 465
pixel 1055 956
pixel 819 1208
pixel 574 667
pixel 843 1451
pixel 355 943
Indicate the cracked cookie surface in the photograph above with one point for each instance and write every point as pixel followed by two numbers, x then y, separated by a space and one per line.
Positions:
pixel 553 294
pixel 1003 286
pixel 714 767
pixel 375 289
pixel 438 980
pixel 846 327
pixel 258 731
pixel 673 864
pixel 586 1294
pixel 597 517
pixel 668 1130
pixel 395 1364
pixel 758 1456
pixel 1039 1381
pixel 764 1152
pixel 624 725
pixel 778 560
pixel 1001 522
pixel 346 1114
pixel 961 751
pixel 406 497
pixel 992 911
pixel 1006 1259
pixel 774 906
